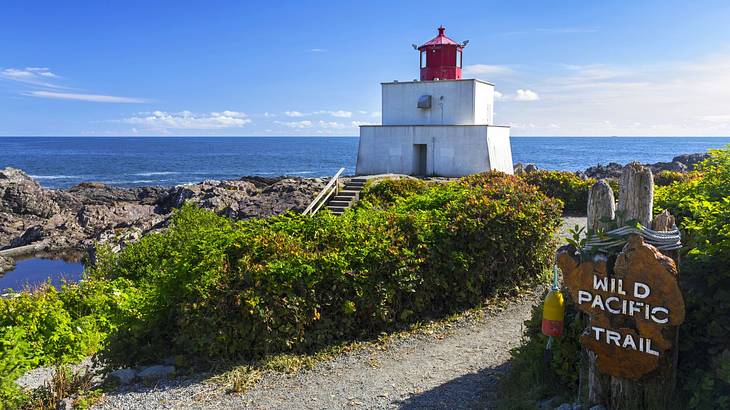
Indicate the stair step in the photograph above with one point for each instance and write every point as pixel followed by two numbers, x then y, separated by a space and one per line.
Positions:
pixel 360 180
pixel 336 202
pixel 351 187
pixel 349 194
pixel 336 209
pixel 342 198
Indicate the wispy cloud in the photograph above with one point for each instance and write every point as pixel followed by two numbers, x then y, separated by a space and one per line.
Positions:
pixel 296 124
pixel 661 98
pixel 86 97
pixel 317 50
pixel 161 120
pixel 39 76
pixel 334 113
pixel 338 113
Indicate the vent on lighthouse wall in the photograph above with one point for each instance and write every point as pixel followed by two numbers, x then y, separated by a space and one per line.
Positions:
pixel 424 102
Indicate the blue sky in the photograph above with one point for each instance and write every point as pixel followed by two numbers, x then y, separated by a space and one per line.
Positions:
pixel 314 68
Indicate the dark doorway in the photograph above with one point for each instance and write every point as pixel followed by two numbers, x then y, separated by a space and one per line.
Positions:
pixel 419 159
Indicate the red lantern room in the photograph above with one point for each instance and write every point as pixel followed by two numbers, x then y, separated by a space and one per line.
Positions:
pixel 441 58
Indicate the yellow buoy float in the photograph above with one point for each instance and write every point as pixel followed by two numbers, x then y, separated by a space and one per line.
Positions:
pixel 553 312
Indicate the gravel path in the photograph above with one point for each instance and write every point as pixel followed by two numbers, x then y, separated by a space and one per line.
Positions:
pixel 456 368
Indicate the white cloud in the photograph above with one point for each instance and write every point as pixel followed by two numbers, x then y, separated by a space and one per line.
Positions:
pixel 296 124
pixel 86 97
pixel 498 95
pixel 340 113
pixel 487 69
pixel 526 95
pixel 39 76
pixel 189 120
pixel 318 50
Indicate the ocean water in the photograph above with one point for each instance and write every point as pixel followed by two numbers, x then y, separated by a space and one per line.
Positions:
pixel 61 162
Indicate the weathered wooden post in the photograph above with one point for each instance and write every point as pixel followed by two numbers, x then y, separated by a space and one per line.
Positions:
pixel 628 288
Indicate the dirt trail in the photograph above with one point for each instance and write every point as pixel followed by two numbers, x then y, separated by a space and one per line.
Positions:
pixel 458 369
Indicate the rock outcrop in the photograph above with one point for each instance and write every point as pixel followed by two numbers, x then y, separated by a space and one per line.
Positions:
pixel 681 163
pixel 92 212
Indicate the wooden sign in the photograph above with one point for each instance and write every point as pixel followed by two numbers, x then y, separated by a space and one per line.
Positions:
pixel 631 306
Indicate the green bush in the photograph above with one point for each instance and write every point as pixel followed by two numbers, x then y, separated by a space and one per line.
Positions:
pixel 702 208
pixel 387 191
pixel 664 178
pixel 215 289
pixel 566 186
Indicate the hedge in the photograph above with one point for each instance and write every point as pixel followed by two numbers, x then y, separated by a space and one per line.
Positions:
pixel 566 186
pixel 214 289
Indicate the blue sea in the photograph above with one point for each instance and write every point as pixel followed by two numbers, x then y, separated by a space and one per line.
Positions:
pixel 61 162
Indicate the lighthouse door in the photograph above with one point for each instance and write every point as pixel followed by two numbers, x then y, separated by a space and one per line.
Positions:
pixel 419 159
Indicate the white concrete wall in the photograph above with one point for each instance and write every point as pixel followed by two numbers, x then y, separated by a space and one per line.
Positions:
pixel 452 151
pixel 453 102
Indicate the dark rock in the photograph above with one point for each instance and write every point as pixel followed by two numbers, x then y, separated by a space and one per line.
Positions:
pixel 668 166
pixel 612 170
pixel 530 168
pixel 691 160
pixel 32 234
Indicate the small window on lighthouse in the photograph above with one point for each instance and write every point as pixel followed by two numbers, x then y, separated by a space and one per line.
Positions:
pixel 423 59
pixel 458 59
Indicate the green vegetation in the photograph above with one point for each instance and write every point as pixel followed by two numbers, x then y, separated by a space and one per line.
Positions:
pixel 211 290
pixel 702 208
pixel 565 186
pixel 701 204
pixel 665 178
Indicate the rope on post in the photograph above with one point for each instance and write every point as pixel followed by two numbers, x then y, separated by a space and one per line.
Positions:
pixel 662 240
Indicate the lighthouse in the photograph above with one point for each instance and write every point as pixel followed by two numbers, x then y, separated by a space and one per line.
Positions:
pixel 440 125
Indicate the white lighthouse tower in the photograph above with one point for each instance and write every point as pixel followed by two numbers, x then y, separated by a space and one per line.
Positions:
pixel 441 125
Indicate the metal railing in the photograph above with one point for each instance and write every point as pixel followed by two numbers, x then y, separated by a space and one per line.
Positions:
pixel 332 188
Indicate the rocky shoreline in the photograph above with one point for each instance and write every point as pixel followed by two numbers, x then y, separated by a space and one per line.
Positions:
pixel 34 219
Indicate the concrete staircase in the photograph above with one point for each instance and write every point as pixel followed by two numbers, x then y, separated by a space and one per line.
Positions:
pixel 346 197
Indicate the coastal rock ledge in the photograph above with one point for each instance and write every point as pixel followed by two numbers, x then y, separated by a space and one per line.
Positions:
pixel 40 219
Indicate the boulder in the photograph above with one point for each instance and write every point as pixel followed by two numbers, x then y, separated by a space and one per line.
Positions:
pixel 156 372
pixel 123 376
pixel 20 194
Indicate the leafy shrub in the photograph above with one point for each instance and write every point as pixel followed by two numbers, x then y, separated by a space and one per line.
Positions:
pixel 387 191
pixel 664 178
pixel 48 327
pixel 15 359
pixel 215 289
pixel 702 208
pixel 566 186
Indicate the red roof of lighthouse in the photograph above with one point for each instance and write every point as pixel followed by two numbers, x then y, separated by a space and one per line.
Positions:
pixel 441 39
